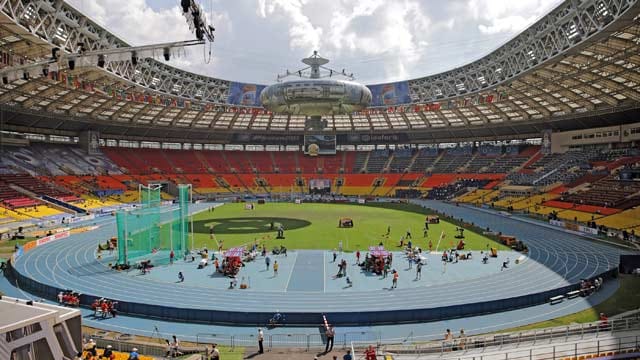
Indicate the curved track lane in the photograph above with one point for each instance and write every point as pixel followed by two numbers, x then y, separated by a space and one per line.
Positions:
pixel 556 259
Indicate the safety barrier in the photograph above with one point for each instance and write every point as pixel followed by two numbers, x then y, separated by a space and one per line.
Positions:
pixel 576 332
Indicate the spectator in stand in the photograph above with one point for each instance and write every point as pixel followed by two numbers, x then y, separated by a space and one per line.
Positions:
pixel 604 321
pixel 108 353
pixel 347 356
pixel 448 340
pixel 175 345
pixel 91 347
pixel 133 355
pixel 462 340
pixel 215 353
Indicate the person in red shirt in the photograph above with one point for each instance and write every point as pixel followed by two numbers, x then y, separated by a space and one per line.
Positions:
pixel 604 320
pixel 395 279
pixel 105 308
pixel 370 353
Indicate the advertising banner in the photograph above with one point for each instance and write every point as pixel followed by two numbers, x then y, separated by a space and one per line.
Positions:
pixel 244 94
pixel 390 94
pixel 52 238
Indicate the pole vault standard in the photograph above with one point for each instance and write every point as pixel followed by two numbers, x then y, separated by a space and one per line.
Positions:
pixel 439 240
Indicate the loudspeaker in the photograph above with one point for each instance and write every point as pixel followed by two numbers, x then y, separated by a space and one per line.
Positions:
pixel 185 5
pixel 72 64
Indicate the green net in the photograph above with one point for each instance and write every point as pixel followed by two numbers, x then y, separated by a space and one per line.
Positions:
pixel 152 231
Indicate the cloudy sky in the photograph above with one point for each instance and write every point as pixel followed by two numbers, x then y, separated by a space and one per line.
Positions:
pixel 377 40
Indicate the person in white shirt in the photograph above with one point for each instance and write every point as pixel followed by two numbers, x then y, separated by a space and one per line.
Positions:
pixel 260 340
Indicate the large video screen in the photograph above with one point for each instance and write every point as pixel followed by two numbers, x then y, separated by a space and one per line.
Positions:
pixel 320 186
pixel 326 144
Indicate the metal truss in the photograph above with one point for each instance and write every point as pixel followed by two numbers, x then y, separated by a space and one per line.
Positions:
pixel 570 24
pixel 579 60
pixel 59 24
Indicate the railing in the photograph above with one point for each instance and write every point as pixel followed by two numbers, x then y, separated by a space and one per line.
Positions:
pixel 426 345
pixel 628 345
pixel 301 341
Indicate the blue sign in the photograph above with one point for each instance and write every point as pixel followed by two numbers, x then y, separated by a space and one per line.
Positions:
pixel 244 94
pixel 390 94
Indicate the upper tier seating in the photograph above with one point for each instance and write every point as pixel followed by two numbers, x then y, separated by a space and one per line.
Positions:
pixel 452 160
pixel 185 160
pixel 425 159
pixel 359 160
pixel 47 159
pixel 555 168
pixel 377 160
pixel 401 160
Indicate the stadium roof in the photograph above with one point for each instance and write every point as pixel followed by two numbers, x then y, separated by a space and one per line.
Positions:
pixel 577 67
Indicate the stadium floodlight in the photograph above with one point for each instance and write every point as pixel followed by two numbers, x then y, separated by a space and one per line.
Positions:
pixel 197 20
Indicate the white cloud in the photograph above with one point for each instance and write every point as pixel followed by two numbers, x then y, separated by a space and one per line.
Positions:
pixel 377 40
pixel 499 16
pixel 302 33
pixel 137 23
pixel 355 30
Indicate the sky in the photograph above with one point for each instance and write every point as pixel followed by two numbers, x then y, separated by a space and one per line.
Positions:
pixel 378 41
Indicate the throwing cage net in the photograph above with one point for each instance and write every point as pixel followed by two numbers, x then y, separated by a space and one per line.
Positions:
pixel 154 230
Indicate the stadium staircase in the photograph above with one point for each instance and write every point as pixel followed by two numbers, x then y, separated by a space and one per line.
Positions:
pixel 527 166
pixel 263 184
pixel 390 191
pixel 203 160
pixel 365 164
pixel 413 161
pixel 387 165
pixel 224 184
